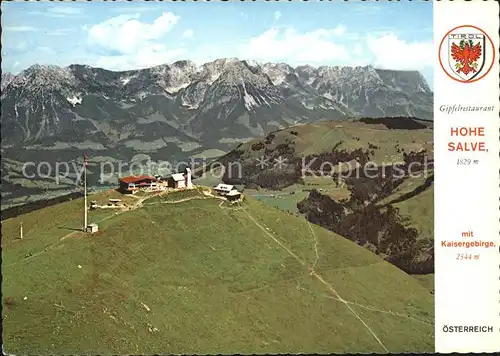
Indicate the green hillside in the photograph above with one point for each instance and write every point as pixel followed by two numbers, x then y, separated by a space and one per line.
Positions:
pixel 419 210
pixel 200 276
pixel 369 180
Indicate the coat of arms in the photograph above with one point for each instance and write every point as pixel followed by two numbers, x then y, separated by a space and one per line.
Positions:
pixel 466 54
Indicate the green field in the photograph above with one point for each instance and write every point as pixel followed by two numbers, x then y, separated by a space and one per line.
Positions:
pixel 420 212
pixel 323 136
pixel 286 202
pixel 202 276
pixel 426 280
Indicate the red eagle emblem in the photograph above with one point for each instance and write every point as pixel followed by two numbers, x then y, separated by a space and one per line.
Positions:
pixel 469 51
pixel 466 56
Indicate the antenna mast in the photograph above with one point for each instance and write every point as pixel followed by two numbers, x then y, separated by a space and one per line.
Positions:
pixel 84 192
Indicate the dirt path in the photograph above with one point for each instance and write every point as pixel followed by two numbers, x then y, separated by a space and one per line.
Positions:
pixel 139 203
pixel 320 278
pixel 273 238
pixel 178 201
pixel 229 208
pixel 313 234
pixel 330 287
pixel 369 307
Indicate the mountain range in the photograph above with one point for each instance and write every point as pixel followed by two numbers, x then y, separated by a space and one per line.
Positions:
pixel 176 111
pixel 226 98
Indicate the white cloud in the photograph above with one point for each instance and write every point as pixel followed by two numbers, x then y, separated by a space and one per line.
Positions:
pixel 392 53
pixel 144 58
pixel 45 49
pixel 65 10
pixel 16 64
pixel 126 34
pixel 20 28
pixel 366 8
pixel 21 45
pixel 60 11
pixel 138 44
pixel 358 50
pixel 187 34
pixel 292 47
pixel 133 8
pixel 277 15
pixel 339 30
pixel 58 32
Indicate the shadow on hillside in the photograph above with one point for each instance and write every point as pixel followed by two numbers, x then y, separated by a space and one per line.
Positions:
pixel 380 229
pixel 69 228
pixel 40 204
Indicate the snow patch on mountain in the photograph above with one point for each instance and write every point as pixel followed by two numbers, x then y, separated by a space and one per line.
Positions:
pixel 250 102
pixel 213 77
pixel 175 89
pixel 264 101
pixel 74 100
pixel 329 96
pixel 126 80
pixel 188 105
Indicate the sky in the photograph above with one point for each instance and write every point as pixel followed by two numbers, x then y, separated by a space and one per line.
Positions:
pixel 132 35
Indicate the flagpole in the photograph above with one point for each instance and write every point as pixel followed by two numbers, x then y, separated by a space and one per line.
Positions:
pixel 85 193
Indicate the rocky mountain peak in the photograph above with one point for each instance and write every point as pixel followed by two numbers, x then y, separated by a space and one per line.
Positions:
pixel 6 79
pixel 408 80
pixel 237 71
pixel 184 64
pixel 42 79
pixel 47 71
pixel 179 75
pixel 277 72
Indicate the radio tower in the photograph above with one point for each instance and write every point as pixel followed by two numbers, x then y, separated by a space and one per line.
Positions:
pixel 84 192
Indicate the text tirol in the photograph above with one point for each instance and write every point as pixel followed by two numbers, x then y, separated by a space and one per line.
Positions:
pixel 467 146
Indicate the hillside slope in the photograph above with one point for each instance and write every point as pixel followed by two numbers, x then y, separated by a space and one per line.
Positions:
pixel 324 147
pixel 370 180
pixel 196 276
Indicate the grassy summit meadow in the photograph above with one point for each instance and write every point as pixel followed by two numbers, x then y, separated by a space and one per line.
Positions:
pixel 200 276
